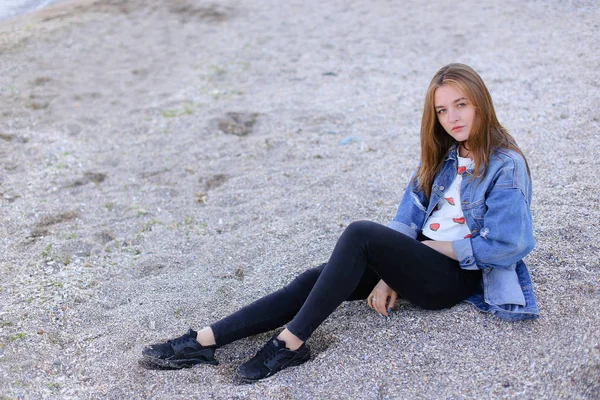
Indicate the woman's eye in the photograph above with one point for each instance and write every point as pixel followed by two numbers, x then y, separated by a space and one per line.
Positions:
pixel 441 111
pixel 462 105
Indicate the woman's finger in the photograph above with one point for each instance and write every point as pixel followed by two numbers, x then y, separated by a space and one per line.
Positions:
pixel 375 302
pixel 370 300
pixel 380 305
pixel 393 298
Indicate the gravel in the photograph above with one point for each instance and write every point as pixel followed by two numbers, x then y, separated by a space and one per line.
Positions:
pixel 165 163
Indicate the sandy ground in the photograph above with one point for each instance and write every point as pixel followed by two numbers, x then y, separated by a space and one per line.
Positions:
pixel 162 165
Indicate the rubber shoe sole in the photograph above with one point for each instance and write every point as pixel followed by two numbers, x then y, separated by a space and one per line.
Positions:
pixel 293 363
pixel 180 363
pixel 298 359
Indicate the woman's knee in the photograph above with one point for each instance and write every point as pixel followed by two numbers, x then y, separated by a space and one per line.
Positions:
pixel 360 229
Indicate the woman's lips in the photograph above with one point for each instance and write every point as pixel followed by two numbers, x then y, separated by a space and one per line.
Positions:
pixel 457 128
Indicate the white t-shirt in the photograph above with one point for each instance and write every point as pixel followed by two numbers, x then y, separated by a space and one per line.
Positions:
pixel 447 221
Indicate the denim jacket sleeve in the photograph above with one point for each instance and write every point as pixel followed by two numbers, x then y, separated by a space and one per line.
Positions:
pixel 411 211
pixel 505 233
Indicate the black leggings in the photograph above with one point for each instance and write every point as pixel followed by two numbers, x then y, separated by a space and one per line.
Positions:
pixel 365 253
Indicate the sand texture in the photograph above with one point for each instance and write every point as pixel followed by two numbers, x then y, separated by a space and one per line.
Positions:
pixel 163 163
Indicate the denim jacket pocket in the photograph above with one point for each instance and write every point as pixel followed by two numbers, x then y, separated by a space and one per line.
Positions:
pixel 476 211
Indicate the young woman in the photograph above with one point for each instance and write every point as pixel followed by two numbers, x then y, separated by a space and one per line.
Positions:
pixel 461 231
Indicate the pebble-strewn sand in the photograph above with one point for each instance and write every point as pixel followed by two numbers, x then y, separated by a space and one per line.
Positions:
pixel 164 163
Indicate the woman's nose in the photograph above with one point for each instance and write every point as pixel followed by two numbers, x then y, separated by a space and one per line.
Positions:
pixel 453 116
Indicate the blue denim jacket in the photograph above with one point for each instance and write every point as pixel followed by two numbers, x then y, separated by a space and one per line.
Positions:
pixel 496 209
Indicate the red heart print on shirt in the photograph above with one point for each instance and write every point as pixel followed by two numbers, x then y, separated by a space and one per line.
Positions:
pixel 468 236
pixel 450 200
pixel 434 227
pixel 460 220
pixel 461 170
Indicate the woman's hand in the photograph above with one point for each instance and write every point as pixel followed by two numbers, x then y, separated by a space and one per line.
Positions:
pixel 441 247
pixel 382 298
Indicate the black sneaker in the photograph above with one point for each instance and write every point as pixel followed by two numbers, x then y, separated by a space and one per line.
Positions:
pixel 181 352
pixel 272 358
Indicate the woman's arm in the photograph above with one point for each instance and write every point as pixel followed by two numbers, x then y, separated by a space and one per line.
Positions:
pixel 506 237
pixel 411 211
pixel 506 234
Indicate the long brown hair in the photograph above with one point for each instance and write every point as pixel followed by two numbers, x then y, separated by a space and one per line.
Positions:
pixel 486 133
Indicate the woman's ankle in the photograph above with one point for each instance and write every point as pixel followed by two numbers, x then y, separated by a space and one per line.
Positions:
pixel 206 337
pixel 291 341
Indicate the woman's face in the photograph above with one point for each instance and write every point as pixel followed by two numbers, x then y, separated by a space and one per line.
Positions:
pixel 454 111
